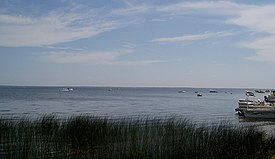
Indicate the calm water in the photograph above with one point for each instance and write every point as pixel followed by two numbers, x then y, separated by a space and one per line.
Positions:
pixel 17 102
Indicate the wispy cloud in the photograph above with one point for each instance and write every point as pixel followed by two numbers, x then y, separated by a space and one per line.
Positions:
pixel 65 25
pixel 94 58
pixel 18 20
pixel 254 18
pixel 265 48
pixel 75 57
pixel 194 37
pixel 133 10
pixel 204 7
pixel 56 27
pixel 258 19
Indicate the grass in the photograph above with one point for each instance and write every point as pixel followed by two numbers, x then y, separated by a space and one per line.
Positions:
pixel 95 137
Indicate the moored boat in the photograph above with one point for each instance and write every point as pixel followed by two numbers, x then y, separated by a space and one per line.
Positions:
pixel 181 91
pixel 66 89
pixel 199 94
pixel 259 91
pixel 248 101
pixel 260 113
pixel 255 106
pixel 271 97
pixel 248 107
pixel 213 91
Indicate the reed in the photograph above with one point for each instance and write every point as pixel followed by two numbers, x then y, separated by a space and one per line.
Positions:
pixel 95 137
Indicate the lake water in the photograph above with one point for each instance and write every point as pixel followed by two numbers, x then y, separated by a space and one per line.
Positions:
pixel 18 102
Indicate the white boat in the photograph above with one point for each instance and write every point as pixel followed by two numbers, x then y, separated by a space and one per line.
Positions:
pixel 66 89
pixel 213 91
pixel 252 104
pixel 182 91
pixel 259 91
pixel 248 101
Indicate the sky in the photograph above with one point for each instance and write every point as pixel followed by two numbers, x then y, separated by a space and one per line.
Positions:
pixel 150 43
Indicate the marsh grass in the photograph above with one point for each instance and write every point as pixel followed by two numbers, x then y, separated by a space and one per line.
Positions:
pixel 95 137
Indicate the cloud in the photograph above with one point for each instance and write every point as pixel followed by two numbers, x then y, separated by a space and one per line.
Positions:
pixel 65 25
pixel 258 19
pixel 133 10
pixel 265 48
pixel 19 20
pixel 194 37
pixel 253 18
pixel 56 27
pixel 95 58
pixel 220 8
pixel 74 57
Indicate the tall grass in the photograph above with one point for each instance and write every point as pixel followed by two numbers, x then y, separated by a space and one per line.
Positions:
pixel 94 137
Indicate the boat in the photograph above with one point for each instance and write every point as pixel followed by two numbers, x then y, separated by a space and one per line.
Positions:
pixel 67 89
pixel 271 97
pixel 71 89
pixel 260 113
pixel 182 91
pixel 251 108
pixel 247 101
pixel 259 91
pixel 199 95
pixel 213 91
pixel 253 105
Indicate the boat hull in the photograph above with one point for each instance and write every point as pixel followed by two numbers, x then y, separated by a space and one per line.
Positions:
pixel 260 113
pixel 271 98
pixel 256 109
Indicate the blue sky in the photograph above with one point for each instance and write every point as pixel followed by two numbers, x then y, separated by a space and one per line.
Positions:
pixel 138 43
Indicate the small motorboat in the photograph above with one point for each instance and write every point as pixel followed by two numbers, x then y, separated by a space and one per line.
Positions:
pixel 213 91
pixel 259 91
pixel 199 95
pixel 182 91
pixel 66 89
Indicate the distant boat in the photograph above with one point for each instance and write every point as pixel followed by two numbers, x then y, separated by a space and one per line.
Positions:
pixel 199 95
pixel 71 89
pixel 66 89
pixel 259 91
pixel 182 91
pixel 213 91
pixel 249 94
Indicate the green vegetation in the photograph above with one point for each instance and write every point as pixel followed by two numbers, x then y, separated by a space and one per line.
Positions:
pixel 94 137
